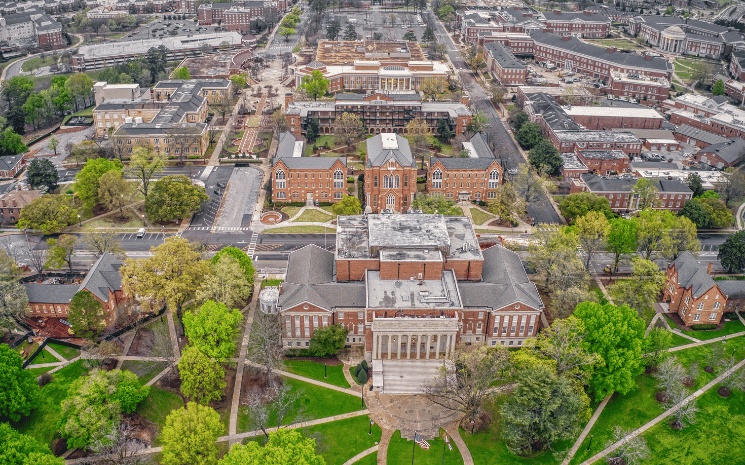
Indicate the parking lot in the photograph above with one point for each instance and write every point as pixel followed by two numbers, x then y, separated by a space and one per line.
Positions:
pixel 365 24
pixel 161 28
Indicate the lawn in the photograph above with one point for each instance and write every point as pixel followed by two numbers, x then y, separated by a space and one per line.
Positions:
pixel 371 459
pixel 37 62
pixel 84 112
pixel 620 43
pixel 329 209
pixel 291 211
pixel 400 451
pixel 479 217
pixel 341 440
pixel 679 340
pixel 158 404
pixel 44 357
pixel 145 371
pixel 112 221
pixel 729 327
pixel 314 370
pixel 42 423
pixel 300 230
pixel 39 371
pixel 313 216
pixel 67 352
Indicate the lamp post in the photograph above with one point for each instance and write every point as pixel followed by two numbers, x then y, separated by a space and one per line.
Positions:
pixel 324 370
pixel 589 443
pixel 371 423
pixel 473 424
pixel 363 397
pixel 79 222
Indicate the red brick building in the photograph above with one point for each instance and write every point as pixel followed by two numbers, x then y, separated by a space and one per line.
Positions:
pixel 476 177
pixel 671 194
pixel 13 202
pixel 594 117
pixel 577 24
pixel 503 64
pixel 604 161
pixel 390 174
pixel 638 86
pixel 12 165
pixel 722 155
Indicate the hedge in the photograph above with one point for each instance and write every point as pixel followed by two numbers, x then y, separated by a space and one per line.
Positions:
pixel 703 327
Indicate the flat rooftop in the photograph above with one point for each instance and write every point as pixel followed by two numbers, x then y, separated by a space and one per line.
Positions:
pixel 646 113
pixel 604 154
pixel 405 294
pixel 140 47
pixel 345 52
pixel 405 231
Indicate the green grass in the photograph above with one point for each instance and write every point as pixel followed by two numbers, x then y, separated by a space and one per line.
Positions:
pixel 479 217
pixel 158 404
pixel 67 352
pixel 39 371
pixel 42 423
pixel 620 43
pixel 301 230
pixel 37 62
pixel 371 459
pixel 680 340
pixel 145 371
pixel 341 440
pixel 313 216
pixel 400 451
pixel 44 357
pixel 314 370
pixel 729 327
pixel 111 221
pixel 329 209
pixel 291 211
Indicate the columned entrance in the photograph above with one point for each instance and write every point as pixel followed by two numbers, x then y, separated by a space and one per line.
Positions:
pixel 412 338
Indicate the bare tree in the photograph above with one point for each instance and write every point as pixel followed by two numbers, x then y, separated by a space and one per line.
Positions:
pixel 265 344
pixel 117 447
pixel 284 398
pixel 464 390
pixel 670 375
pixel 631 451
pixel 687 410
pixel 255 400
pixel 37 258
pixel 161 344
pixel 735 379
pixel 104 242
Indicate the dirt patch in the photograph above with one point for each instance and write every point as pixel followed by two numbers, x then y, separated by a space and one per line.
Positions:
pixel 724 392
pixel 143 342
pixel 661 396
pixel 144 430
pixel 501 223
pixel 676 425
pixel 59 446
pixel 273 217
pixel 108 364
pixel 709 369
pixel 689 382
pixel 171 381
pixel 223 405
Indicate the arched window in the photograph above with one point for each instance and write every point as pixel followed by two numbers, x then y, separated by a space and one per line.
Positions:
pixel 390 202
pixel 398 179
pixel 493 179
pixel 279 179
pixel 437 179
pixel 338 179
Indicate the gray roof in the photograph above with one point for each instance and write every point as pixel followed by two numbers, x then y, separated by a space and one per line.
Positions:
pixel 692 274
pixel 604 154
pixel 504 283
pixel 700 134
pixel 576 46
pixel 571 16
pixel 103 276
pixel 377 155
pixel 463 163
pixel 625 183
pixel 310 163
pixel 698 37
pixel 503 56
pixel 50 293
pixel 286 146
pixel 396 97
pixel 551 112
pixel 732 288
pixel 732 151
pixel 482 148
pixel 9 162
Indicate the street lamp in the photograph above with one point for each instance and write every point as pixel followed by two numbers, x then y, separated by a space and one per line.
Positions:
pixel 590 443
pixel 473 423
pixel 324 370
pixel 371 423
pixel 79 222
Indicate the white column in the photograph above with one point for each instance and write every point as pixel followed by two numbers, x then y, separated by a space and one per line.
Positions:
pixel 429 340
pixel 452 344
pixel 398 343
pixel 389 346
pixel 437 347
pixel 374 346
pixel 418 345
pixel 408 347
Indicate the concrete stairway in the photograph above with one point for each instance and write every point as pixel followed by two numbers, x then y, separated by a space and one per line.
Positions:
pixel 408 376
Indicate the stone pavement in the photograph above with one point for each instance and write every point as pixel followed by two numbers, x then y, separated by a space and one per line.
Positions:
pixel 364 453
pixel 235 405
pixel 409 414
pixel 55 354
pixel 350 379
pixel 454 432
pixel 385 439
pixel 586 431
pixel 287 374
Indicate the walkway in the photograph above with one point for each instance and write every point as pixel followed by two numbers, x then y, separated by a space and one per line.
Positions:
pixel 454 433
pixel 251 126
pixel 740 212
pixel 586 431
pixel 364 453
pixel 287 374
pixel 235 405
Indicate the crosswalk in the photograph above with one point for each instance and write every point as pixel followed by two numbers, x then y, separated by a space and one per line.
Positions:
pixel 221 228
pixel 252 245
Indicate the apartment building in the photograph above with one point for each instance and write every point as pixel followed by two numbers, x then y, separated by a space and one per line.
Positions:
pixel 638 86
pixel 475 178
pixel 306 179
pixel 604 161
pixel 737 64
pixel 577 24
pixel 503 64
pixel 27 28
pixel 695 296
pixel 236 16
pixel 594 117
pixel 390 174
pixel 671 194
pixel 519 44
pixel 709 114
pixel 474 23
pixel 722 155
pixel 380 112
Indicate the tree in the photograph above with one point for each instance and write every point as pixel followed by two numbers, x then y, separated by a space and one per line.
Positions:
pixel 13 301
pixel 23 449
pixel 718 88
pixel 505 203
pixel 119 447
pixel 478 122
pixel 529 135
pixel 278 122
pixel 432 86
pixel 173 198
pixel 554 255
pixel 333 30
pixel 651 227
pixel 348 128
pixel 226 283
pixel 670 374
pixel 632 450
pixel 244 261
pixel 181 73
pixel 34 108
pixel 702 71
pixel 444 133
pixel 562 344
pixel 104 242
pixel 61 251
pixel 327 341
pixel 284 447
pixel 409 36
pixel 621 240
pixel 542 409
pixel 695 183
pixel 694 210
pixel 143 165
pixel 115 192
pixel 418 131
pixel 172 274
pixel 42 173
pixel 616 334
pixel 95 403
pixel 732 186
pixel 349 205
pixel 19 391
pixel 190 435
pixel 435 203
pixel 80 87
pixel 477 368
pixel 86 315
pixel 656 344
pixel 686 412
pixel 286 32
pixel 564 301
pixel 520 119
pixel 48 214
pixel 265 343
pixel 312 129
pixel 732 253
pixel 592 230
pixel 213 328
pixel 646 193
pixel 680 237
pixel 314 85
pixel 202 377
pixel 719 215
pixel 87 180
pixel 429 35
pixel 11 143
pixel 579 204
pixel 640 292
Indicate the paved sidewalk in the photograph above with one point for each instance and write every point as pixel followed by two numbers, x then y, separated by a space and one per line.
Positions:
pixel 130 339
pixel 586 430
pixel 173 334
pixel 663 415
pixel 454 433
pixel 350 379
pixel 680 333
pixel 364 453
pixel 351 392
pixel 55 354
pixel 235 405
pixel 709 341
pixel 385 439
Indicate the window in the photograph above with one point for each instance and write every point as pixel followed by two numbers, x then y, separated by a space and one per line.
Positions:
pixel 436 179
pixel 281 195
pixel 338 179
pixel 696 317
pixel 360 328
pixel 341 315
pixel 390 202
pixel 360 315
pixel 279 178
pixel 325 320
pixel 375 182
pixel 700 306
pixel 712 317
pixel 297 326
pixel 688 299
pixel 716 305
pixel 337 195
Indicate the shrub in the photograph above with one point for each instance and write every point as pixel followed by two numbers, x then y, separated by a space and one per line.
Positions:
pixel 703 327
pixel 419 180
pixel 357 370
pixel 45 379
pixel 350 179
pixel 364 364
pixel 362 377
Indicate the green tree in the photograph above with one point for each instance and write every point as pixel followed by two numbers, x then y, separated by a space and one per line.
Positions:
pixel 616 334
pixel 87 180
pixel 732 253
pixel 579 204
pixel 53 144
pixel 34 108
pixel 80 87
pixel 433 86
pixel 651 227
pixel 520 119
pixel 243 260
pixel 409 36
pixel 213 329
pixel 42 173
pixel 19 392
pixel 680 237
pixel 545 157
pixel 286 32
pixel 92 410
pixel 143 166
pixel 190 435
pixel 349 205
pixel 181 73
pixel 694 210
pixel 435 203
pixel 314 85
pixel 444 133
pixel 641 291
pixel 529 135
pixel 543 408
pixel 86 315
pixel 333 30
pixel 61 251
pixel 11 143
pixel 115 192
pixel 429 35
pixel 173 198
pixel 592 230
pixel 23 449
pixel 48 214
pixel 719 215
pixel 348 127
pixel 478 122
pixel 311 131
pixel 621 240
pixel 283 447
pixel 328 341
pixel 561 343
pixel 718 88
pixel 202 377
pixel 695 183
pixel 226 283
pixel 647 194
pixel 656 344
pixel 554 255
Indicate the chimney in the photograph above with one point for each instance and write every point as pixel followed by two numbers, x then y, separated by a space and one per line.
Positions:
pixel 288 99
pixel 587 13
pixel 15 203
pixel 709 268
pixel 611 49
pixel 558 12
pixel 4 203
pixel 464 99
pixel 565 38
pixel 647 57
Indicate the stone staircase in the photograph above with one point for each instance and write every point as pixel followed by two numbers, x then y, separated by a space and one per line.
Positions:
pixel 405 376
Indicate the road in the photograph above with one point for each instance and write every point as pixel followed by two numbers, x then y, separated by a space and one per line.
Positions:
pixel 541 211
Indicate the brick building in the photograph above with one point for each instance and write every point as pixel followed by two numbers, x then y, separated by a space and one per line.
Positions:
pixel 695 296
pixel 638 86
pixel 476 177
pixel 304 179
pixel 571 166
pixel 722 155
pixel 408 288
pixel 503 64
pixel 11 165
pixel 13 202
pixel 577 24
pixel 737 65
pixel 698 137
pixel 684 36
pixel 604 161
pixel 671 194
pixel 594 117
pixel 103 281
pixel 390 174
pixel 519 44
pixel 709 114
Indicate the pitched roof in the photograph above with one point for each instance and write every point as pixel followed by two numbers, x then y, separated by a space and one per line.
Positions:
pixel 22 198
pixel 625 183
pixel 504 282
pixel 9 162
pixel 692 274
pixel 50 293
pixel 379 152
pixel 463 163
pixel 732 288
pixel 504 57
pixel 699 134
pixel 482 148
pixel 103 276
pixel 732 151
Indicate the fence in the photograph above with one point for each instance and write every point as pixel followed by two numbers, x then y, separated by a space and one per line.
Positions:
pixel 123 330
pixel 36 352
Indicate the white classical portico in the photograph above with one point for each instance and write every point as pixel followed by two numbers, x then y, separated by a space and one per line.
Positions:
pixel 413 338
